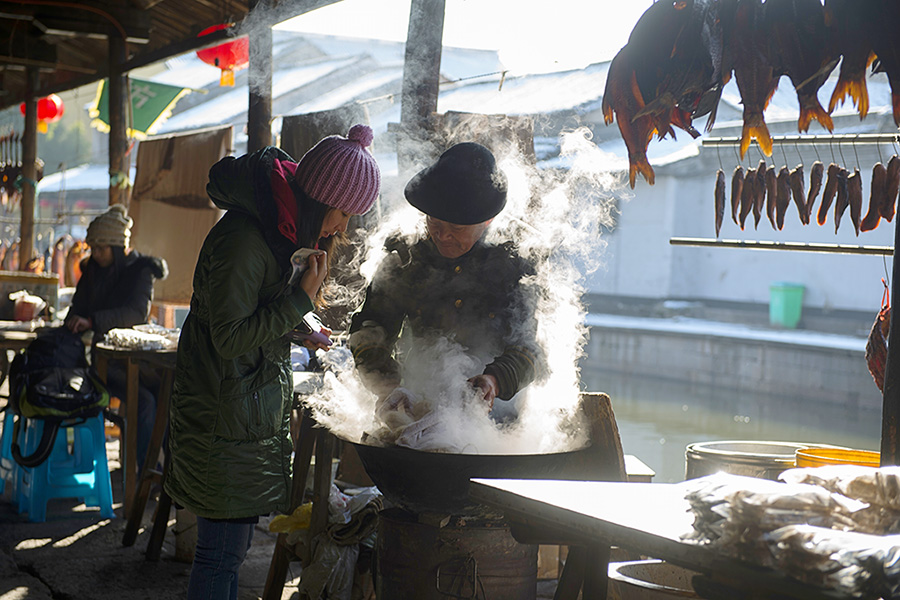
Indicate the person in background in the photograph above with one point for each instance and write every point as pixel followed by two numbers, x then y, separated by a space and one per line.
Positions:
pixel 451 284
pixel 116 290
pixel 229 423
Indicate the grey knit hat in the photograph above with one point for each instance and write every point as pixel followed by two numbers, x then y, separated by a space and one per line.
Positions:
pixel 112 228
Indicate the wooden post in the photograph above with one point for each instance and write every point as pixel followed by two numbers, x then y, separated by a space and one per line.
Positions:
pixel 259 115
pixel 29 171
pixel 890 412
pixel 119 183
pixel 421 72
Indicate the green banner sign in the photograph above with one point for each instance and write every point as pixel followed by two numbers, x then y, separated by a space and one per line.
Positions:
pixel 151 105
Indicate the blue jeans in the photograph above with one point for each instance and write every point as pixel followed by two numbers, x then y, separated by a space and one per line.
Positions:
pixel 221 549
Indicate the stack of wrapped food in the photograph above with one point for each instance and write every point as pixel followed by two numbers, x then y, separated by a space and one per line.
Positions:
pixel 832 526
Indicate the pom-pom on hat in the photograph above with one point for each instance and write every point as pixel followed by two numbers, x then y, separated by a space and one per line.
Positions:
pixel 463 187
pixel 112 228
pixel 340 172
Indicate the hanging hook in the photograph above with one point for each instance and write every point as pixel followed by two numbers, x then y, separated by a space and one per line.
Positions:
pixel 719 156
pixel 736 157
pixel 854 144
pixel 831 146
pixel 799 155
pixel 880 158
pixel 841 152
pixel 783 155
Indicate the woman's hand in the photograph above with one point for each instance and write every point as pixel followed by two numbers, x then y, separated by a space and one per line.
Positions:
pixel 312 279
pixel 313 346
pixel 77 324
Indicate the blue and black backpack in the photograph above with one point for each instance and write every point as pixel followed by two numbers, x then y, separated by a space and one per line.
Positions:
pixel 51 380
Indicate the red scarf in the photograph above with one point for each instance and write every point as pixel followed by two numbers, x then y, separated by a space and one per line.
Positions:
pixel 284 198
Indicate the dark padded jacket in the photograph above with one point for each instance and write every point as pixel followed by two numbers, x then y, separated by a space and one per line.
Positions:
pixel 479 299
pixel 119 295
pixel 229 420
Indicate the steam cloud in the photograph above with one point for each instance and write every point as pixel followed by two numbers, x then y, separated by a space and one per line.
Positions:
pixel 555 217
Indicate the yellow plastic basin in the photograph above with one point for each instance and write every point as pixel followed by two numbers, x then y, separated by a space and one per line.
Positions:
pixel 819 457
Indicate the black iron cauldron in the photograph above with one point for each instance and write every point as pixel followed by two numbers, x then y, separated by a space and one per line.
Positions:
pixel 421 481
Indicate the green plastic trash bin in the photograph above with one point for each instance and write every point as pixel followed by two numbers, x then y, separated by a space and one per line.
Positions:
pixel 785 304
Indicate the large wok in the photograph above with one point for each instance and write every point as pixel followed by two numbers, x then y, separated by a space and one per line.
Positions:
pixel 421 481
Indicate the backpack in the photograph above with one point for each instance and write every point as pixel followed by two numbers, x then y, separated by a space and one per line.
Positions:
pixel 50 380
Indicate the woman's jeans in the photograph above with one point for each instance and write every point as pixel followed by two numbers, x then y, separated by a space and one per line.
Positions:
pixel 221 549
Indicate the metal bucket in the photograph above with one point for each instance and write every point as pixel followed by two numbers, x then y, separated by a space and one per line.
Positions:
pixel 765 460
pixel 416 561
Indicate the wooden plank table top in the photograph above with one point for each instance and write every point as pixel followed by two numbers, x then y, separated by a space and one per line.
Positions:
pixel 164 359
pixel 648 518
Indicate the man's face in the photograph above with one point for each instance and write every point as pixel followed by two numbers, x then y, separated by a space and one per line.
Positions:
pixel 453 240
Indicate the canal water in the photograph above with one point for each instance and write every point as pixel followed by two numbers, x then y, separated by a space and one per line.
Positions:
pixel 657 419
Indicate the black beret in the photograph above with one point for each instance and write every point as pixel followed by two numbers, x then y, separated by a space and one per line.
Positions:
pixel 463 187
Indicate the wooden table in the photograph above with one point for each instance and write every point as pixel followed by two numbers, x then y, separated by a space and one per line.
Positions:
pixel 648 518
pixel 162 359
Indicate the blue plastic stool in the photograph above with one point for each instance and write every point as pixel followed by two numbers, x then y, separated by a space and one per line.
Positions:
pixel 76 470
pixel 9 468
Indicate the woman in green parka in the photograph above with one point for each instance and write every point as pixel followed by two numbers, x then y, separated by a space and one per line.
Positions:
pixel 229 422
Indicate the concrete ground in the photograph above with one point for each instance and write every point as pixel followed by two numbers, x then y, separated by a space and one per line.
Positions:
pixel 76 555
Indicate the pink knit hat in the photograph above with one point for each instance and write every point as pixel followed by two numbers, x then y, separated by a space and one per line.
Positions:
pixel 340 172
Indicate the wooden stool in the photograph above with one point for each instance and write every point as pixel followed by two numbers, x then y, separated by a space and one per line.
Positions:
pixel 151 475
pixel 309 439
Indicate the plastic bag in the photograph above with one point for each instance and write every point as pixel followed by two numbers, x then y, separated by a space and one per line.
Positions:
pixel 854 563
pixel 297 520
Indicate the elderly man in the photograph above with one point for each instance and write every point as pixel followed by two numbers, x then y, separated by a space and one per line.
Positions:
pixel 452 284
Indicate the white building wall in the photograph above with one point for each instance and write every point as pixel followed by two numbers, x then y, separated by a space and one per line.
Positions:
pixel 642 263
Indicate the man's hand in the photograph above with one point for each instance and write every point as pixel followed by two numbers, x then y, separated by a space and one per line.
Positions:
pixel 77 324
pixel 487 385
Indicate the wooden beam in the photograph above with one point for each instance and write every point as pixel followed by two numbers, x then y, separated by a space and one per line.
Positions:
pixel 119 182
pixel 421 74
pixel 890 411
pixel 29 171
pixel 259 114
pixel 96 20
pixel 23 48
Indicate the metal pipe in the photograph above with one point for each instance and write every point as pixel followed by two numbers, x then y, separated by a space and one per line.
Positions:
pixel 805 140
pixel 793 246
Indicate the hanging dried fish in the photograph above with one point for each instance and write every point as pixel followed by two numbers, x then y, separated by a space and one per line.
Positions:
pixel 815 184
pixel 748 200
pixel 759 193
pixel 877 198
pixel 737 187
pixel 831 185
pixel 771 195
pixel 843 197
pixel 783 196
pixel 892 188
pixel 720 199
pixel 796 180
pixel 854 196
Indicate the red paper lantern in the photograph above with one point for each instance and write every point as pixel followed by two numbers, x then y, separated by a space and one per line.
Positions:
pixel 50 109
pixel 230 56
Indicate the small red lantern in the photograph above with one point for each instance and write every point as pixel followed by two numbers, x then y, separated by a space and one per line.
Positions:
pixel 50 109
pixel 230 56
